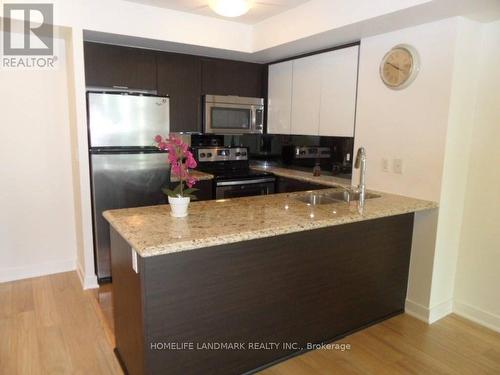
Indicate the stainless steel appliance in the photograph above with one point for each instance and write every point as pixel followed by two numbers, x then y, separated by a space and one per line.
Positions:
pixel 126 170
pixel 233 115
pixel 233 176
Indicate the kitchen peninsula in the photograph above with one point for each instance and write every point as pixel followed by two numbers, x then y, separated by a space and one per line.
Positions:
pixel 260 270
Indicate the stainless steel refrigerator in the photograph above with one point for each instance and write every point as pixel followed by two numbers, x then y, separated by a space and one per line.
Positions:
pixel 126 169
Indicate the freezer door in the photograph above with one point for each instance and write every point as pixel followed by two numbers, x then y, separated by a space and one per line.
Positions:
pixel 121 120
pixel 123 181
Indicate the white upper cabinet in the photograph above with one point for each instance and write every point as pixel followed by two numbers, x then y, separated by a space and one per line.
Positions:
pixel 338 92
pixel 314 95
pixel 279 98
pixel 306 95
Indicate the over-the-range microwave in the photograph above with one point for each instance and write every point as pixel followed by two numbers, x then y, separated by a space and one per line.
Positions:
pixel 233 115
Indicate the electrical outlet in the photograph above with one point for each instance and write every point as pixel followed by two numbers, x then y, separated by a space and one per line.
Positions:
pixel 385 165
pixel 397 166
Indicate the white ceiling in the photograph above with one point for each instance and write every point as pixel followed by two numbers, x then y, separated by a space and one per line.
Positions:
pixel 308 27
pixel 260 10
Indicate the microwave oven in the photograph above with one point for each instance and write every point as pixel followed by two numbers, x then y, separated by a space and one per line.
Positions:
pixel 233 115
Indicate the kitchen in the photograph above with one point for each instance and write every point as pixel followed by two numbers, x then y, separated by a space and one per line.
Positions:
pixel 298 148
pixel 205 105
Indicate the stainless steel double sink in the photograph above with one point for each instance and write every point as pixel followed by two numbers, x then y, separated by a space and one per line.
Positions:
pixel 320 198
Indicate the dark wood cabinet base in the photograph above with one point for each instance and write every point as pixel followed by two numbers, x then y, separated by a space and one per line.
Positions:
pixel 307 287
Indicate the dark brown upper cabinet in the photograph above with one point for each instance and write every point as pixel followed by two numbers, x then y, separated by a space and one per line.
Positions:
pixel 109 66
pixel 184 78
pixel 226 77
pixel 179 76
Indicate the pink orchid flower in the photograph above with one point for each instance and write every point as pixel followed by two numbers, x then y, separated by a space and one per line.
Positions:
pixel 180 160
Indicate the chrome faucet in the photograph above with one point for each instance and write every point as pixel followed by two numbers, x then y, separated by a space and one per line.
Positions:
pixel 360 164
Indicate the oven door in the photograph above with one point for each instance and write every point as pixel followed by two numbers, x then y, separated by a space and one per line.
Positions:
pixel 222 118
pixel 244 188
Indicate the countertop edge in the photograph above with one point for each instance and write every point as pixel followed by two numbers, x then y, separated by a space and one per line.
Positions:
pixel 304 176
pixel 212 241
pixel 217 240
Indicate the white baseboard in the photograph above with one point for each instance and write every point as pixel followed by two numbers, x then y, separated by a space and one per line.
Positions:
pixel 35 270
pixel 478 316
pixel 88 282
pixel 440 311
pixel 428 315
pixel 417 310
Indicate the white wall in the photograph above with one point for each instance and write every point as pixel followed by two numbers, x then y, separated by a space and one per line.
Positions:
pixel 37 227
pixel 445 128
pixel 79 148
pixel 460 122
pixel 478 272
pixel 411 125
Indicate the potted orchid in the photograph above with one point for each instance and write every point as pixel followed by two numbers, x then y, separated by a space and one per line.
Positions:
pixel 181 160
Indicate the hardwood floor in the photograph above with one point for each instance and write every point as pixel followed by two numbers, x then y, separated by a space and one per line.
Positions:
pixel 104 305
pixel 49 325
pixel 405 345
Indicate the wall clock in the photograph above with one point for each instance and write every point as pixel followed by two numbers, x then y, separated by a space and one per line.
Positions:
pixel 399 67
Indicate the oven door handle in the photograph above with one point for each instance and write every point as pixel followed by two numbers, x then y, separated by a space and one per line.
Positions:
pixel 246 182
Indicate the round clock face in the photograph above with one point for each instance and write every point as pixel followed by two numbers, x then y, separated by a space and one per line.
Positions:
pixel 399 67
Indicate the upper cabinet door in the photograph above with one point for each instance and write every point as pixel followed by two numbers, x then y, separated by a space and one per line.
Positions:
pixel 179 76
pixel 109 66
pixel 280 98
pixel 339 72
pixel 306 95
pixel 225 77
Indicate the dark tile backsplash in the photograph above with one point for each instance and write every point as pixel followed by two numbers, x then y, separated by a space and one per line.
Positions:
pixel 269 148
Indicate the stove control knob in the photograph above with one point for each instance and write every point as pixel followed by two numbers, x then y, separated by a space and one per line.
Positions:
pixel 202 155
pixel 243 154
pixel 209 155
pixel 238 154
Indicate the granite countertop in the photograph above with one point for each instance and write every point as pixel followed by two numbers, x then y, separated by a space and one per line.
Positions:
pixel 152 231
pixel 324 179
pixel 200 176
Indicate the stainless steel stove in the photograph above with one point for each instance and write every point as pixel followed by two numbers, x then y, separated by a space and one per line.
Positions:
pixel 233 176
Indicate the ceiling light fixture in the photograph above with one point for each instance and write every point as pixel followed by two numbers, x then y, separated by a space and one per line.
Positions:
pixel 230 8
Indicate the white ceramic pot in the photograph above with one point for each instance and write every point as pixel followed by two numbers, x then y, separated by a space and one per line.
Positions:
pixel 179 206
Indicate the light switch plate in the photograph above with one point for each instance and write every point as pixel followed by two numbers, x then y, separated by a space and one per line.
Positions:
pixel 397 166
pixel 134 261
